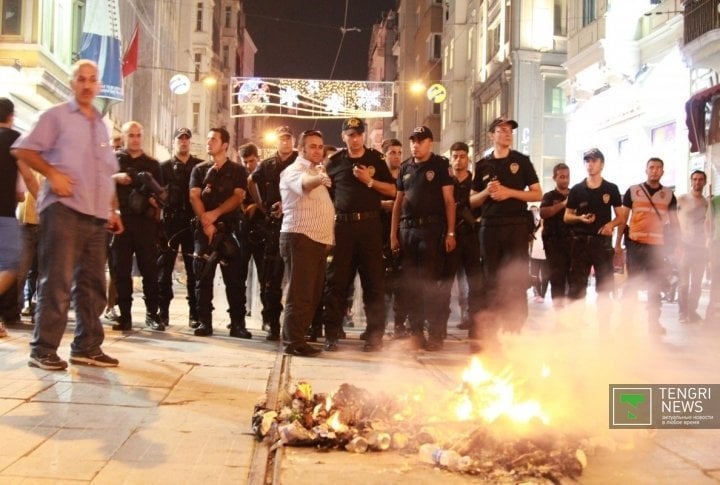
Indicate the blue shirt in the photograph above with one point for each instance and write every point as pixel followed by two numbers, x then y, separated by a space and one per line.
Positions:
pixel 78 147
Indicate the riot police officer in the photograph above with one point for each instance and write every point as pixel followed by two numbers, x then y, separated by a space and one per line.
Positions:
pixel 264 187
pixel 176 225
pixel 217 188
pixel 137 200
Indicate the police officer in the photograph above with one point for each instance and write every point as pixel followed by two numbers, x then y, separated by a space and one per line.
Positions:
pixel 556 234
pixel 360 179
pixel 423 223
pixel 504 182
pixel 252 227
pixel 392 151
pixel 589 211
pixel 177 225
pixel 466 257
pixel 140 215
pixel 217 188
pixel 264 188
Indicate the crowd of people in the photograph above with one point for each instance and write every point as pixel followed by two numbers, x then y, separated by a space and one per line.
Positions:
pixel 311 218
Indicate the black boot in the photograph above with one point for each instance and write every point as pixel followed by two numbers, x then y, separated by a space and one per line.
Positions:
pixel 238 330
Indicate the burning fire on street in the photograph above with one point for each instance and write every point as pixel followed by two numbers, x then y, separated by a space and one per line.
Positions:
pixel 485 427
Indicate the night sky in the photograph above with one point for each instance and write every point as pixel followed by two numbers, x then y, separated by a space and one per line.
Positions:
pixel 300 38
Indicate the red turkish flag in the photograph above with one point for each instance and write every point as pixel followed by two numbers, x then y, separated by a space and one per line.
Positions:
pixel 130 59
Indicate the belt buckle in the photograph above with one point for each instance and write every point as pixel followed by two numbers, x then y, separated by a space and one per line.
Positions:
pixel 355 216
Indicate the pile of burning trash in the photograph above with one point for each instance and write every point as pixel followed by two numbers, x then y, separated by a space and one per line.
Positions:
pixel 482 439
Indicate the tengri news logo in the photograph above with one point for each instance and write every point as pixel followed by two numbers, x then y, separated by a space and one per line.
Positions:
pixel 630 407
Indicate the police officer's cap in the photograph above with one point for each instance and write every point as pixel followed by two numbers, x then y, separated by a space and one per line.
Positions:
pixel 420 133
pixel 283 131
pixel 182 132
pixel 501 121
pixel 594 153
pixel 355 124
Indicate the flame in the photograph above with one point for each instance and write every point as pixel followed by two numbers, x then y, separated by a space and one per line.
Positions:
pixel 488 396
pixel 335 424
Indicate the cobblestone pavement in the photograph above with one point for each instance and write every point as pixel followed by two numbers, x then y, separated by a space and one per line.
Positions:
pixel 178 408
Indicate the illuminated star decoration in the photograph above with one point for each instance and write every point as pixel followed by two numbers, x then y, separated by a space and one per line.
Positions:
pixel 289 96
pixel 367 99
pixel 334 103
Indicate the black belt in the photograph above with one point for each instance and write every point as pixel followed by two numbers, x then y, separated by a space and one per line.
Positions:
pixel 356 216
pixel 590 237
pixel 503 221
pixel 411 222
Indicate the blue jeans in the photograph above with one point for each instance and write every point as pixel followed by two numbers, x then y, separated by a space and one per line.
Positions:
pixel 71 256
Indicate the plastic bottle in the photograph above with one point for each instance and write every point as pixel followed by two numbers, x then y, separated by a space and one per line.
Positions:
pixel 433 454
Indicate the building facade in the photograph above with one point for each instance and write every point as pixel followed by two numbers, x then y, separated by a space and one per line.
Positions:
pixel 627 86
pixel 419 52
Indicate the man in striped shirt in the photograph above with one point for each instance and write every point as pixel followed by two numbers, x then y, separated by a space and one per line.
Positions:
pixel 305 238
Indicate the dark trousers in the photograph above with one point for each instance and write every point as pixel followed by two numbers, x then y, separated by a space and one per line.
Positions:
pixel 692 268
pixel 646 270
pixel 591 252
pixel 180 237
pixel 504 250
pixel 393 289
pixel 255 250
pixel 357 245
pixel 271 278
pixel 557 254
pixel 422 258
pixel 540 276
pixel 466 259
pixel 233 275
pixel 138 238
pixel 305 264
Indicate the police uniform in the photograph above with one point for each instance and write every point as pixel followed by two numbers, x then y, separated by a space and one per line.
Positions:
pixel 422 227
pixel 556 241
pixel 466 255
pixel 505 230
pixel 216 187
pixel 267 179
pixel 177 227
pixel 393 290
pixel 358 243
pixel 139 238
pixel 590 249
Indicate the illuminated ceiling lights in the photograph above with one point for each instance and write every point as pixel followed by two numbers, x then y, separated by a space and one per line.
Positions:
pixel 310 98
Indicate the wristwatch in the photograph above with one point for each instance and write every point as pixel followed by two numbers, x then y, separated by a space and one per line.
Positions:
pixel 370 184
pixel 451 234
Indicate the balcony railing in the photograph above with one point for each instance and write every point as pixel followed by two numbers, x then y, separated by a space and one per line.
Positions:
pixel 701 16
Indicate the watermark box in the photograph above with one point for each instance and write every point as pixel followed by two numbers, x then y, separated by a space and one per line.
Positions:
pixel 664 406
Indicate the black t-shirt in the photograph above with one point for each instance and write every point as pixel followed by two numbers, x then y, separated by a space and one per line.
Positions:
pixel 133 166
pixel 599 201
pixel 516 171
pixel 463 214
pixel 218 186
pixel 347 192
pixel 8 173
pixel 267 178
pixel 176 176
pixel 554 227
pixel 421 184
